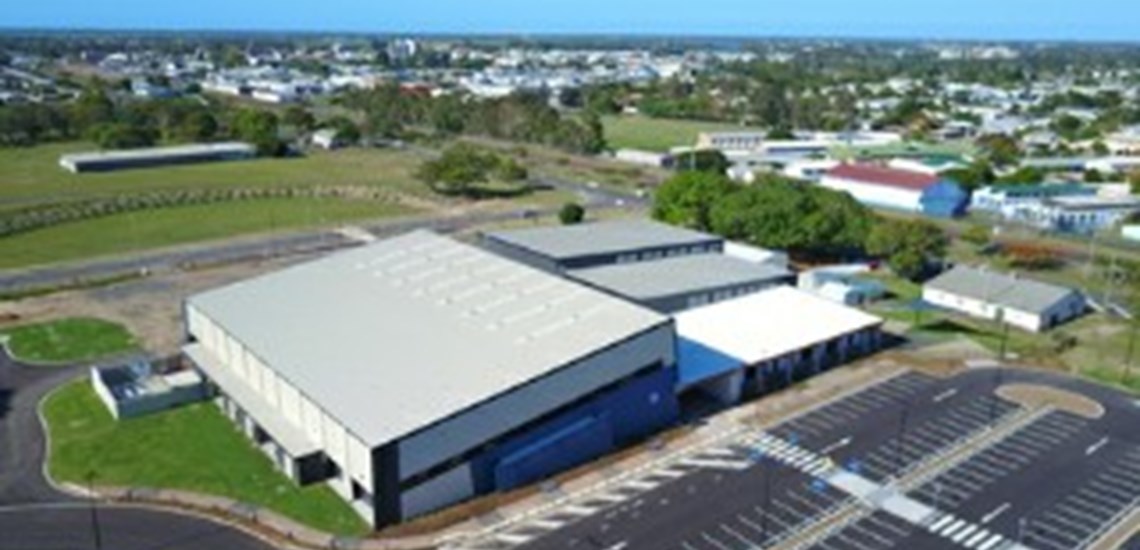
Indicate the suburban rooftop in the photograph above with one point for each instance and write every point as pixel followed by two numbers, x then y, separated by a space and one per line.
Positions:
pixel 890 177
pixel 1008 290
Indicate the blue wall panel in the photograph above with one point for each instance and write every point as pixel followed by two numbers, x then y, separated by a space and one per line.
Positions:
pixel 633 410
pixel 944 200
pixel 566 448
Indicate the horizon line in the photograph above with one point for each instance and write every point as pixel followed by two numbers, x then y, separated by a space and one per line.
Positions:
pixel 538 35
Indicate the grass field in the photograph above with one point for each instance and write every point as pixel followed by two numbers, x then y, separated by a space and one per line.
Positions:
pixel 69 341
pixel 33 175
pixel 657 134
pixel 173 226
pixel 193 448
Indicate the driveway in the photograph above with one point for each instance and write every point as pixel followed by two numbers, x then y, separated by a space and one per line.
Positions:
pixel 34 515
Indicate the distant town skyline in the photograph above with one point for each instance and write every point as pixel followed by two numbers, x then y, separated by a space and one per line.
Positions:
pixel 1092 20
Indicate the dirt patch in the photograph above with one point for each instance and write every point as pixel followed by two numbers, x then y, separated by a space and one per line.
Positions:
pixel 151 308
pixel 1034 396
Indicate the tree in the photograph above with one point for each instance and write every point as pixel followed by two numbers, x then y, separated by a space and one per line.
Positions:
pixel 687 199
pixel 346 130
pixel 902 242
pixel 1100 149
pixel 978 174
pixel 1000 149
pixel 977 235
pixel 92 109
pixel 196 126
pixel 704 160
pixel 1067 126
pixel 300 118
pixel 1026 175
pixel 1093 175
pixel 510 170
pixel 571 213
pixel 259 128
pixel 459 169
pixel 122 135
pixel 780 213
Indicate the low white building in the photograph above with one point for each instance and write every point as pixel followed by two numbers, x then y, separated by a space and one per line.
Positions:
pixel 1023 303
pixel 809 169
pixel 1083 215
pixel 766 341
pixel 644 158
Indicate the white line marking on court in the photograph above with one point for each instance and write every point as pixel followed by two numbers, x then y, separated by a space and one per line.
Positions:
pixel 995 513
pixel 1096 447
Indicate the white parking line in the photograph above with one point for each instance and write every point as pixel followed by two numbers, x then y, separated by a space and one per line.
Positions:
pixel 1095 447
pixel 996 513
pixel 945 395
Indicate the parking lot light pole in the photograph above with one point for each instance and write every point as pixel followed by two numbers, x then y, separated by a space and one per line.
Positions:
pixel 767 495
pixel 998 373
pixel 900 440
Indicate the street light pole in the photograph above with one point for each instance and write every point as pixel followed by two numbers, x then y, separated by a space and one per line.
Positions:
pixel 95 528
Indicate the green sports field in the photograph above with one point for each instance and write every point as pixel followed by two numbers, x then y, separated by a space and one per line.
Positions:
pixel 657 134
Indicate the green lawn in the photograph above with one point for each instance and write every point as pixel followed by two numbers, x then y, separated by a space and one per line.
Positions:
pixel 192 448
pixel 33 174
pixel 171 226
pixel 69 341
pixel 657 134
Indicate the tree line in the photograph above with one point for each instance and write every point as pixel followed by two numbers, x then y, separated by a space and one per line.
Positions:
pixel 134 123
pixel 391 112
pixel 808 221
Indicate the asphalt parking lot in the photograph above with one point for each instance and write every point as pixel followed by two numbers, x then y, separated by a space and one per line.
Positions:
pixel 1043 479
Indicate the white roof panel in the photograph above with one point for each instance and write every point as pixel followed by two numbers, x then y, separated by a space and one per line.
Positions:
pixel 769 324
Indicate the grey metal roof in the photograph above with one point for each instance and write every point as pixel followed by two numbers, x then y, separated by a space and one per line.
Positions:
pixel 572 241
pixel 175 151
pixel 1011 291
pixel 393 336
pixel 678 275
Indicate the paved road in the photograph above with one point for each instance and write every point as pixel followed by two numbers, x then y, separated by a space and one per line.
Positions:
pixel 33 516
pixel 239 250
pixel 1067 476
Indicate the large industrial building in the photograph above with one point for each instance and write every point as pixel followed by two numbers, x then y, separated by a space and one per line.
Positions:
pixel 418 372
pixel 558 249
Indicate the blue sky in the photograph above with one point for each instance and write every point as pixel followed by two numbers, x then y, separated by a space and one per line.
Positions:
pixel 1102 20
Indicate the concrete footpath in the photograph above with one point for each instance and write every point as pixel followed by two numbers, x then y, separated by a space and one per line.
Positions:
pixel 287 533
